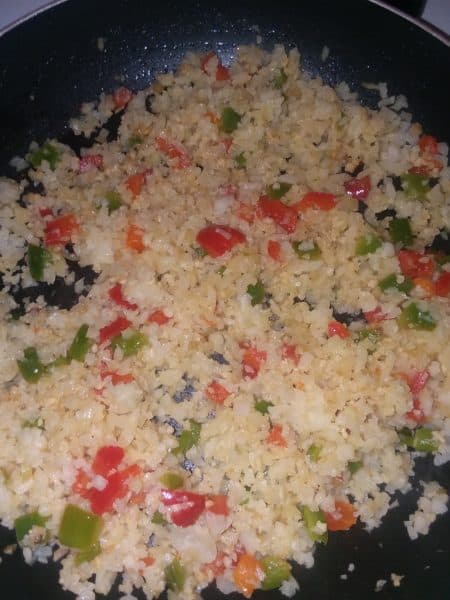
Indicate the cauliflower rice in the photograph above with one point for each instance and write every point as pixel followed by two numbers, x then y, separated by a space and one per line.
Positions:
pixel 237 344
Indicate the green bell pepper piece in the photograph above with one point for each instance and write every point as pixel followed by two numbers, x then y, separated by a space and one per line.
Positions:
pixel 391 282
pixel 276 570
pixel 25 523
pixel 420 439
pixel 79 528
pixel 135 140
pixel 158 518
pixel 280 79
pixel 278 191
pixel 354 466
pixel 37 258
pixel 413 317
pixel 188 438
pixel 129 344
pixel 46 152
pixel 306 250
pixel 414 185
pixel 229 120
pixel 256 292
pixel 263 406
pixel 80 345
pixel 240 160
pixel 114 201
pixel 88 554
pixel 314 452
pixel 175 575
pixel 400 232
pixel 171 481
pixel 369 333
pixel 367 244
pixel 37 423
pixel 30 367
pixel 311 518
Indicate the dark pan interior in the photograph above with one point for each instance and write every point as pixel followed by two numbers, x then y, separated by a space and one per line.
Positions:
pixel 50 64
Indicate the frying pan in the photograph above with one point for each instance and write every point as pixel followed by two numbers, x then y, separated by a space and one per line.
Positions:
pixel 51 63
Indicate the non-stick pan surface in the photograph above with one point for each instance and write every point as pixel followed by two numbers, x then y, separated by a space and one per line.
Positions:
pixel 51 63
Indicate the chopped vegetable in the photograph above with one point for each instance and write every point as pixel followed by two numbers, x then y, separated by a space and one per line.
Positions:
pixel 283 215
pixel 37 423
pixel 416 264
pixel 413 317
pixel 218 504
pixel 184 507
pixel 426 286
pixel 38 258
pixel 172 481
pixel 354 466
pixel 174 151
pixel 188 438
pixel 217 393
pixel 113 329
pixel 106 459
pixel 159 317
pixel 316 200
pixel 116 295
pixel 216 240
pixel 240 160
pixel 135 238
pixel 367 244
pixel 400 231
pixel 415 185
pixel 89 554
pixel 25 523
pixel 88 161
pixel 79 528
pixel 278 190
pixel 375 316
pixel 420 439
pixel 342 518
pixel 263 406
pixel 252 360
pixel 247 574
pixel 339 329
pixel 175 575
pixel 59 231
pixel 428 144
pixel 314 452
pixel 256 292
pixel 274 250
pixel 135 140
pixel 129 344
pixel 311 519
pixel 280 79
pixel 275 437
pixel 372 334
pixel 221 72
pixel 158 518
pixel 80 345
pixel 276 570
pixel 102 501
pixel 114 201
pixel 46 152
pixel 31 368
pixel 358 188
pixel 136 182
pixel 307 250
pixel 442 285
pixel 392 282
pixel 121 97
pixel 289 352
pixel 229 120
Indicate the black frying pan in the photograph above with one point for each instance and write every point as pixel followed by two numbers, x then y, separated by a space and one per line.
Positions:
pixel 50 64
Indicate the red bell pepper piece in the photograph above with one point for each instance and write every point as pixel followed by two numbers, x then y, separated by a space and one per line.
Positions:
pixel 252 359
pixel 217 504
pixel 216 240
pixel 136 182
pixel 442 285
pixel 115 377
pixel 289 352
pixel 276 437
pixel 59 231
pixel 184 507
pixel 116 295
pixel 159 317
pixel 415 264
pixel 283 215
pixel 375 316
pixel 222 73
pixel 217 393
pixel 339 329
pixel 428 144
pixel 106 459
pixel 317 200
pixel 135 238
pixel 45 212
pixel 121 97
pixel 114 328
pixel 173 151
pixel 342 518
pixel 358 188
pixel 274 250
pixel 89 161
